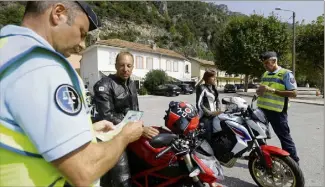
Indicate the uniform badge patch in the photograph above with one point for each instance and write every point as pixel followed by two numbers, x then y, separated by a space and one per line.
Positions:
pixel 68 99
pixel 292 80
pixel 101 88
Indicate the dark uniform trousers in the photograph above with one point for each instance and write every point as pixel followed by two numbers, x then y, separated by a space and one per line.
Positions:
pixel 279 122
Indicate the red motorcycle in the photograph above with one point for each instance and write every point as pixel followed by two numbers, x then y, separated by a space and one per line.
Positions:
pixel 177 157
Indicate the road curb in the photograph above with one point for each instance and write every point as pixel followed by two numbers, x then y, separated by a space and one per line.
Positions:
pixel 144 95
pixel 292 100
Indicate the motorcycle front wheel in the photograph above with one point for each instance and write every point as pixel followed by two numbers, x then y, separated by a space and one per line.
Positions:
pixel 285 172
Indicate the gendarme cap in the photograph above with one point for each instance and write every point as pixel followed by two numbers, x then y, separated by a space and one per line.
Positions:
pixel 268 55
pixel 93 18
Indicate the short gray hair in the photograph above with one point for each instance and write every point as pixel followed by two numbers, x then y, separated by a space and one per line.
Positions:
pixel 123 53
pixel 39 7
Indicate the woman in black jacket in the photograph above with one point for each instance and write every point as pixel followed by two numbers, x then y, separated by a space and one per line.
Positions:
pixel 207 99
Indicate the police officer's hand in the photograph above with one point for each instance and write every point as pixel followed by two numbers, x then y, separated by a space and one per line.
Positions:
pixel 133 130
pixel 259 93
pixel 262 89
pixel 103 126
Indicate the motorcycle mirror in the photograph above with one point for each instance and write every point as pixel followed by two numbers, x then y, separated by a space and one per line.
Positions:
pixel 162 140
pixel 253 100
pixel 195 173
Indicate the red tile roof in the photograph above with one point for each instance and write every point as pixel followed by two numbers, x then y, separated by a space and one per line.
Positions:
pixel 204 62
pixel 139 47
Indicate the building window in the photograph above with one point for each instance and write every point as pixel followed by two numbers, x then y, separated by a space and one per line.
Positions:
pixel 112 57
pixel 149 62
pixel 139 62
pixel 175 64
pixel 168 65
pixel 186 69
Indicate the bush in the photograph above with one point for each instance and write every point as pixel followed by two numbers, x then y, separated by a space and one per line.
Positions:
pixel 155 78
pixel 143 91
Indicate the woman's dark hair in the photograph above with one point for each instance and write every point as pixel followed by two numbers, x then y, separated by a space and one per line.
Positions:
pixel 208 73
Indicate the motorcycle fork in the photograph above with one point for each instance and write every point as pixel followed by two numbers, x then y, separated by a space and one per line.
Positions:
pixel 189 165
pixel 264 156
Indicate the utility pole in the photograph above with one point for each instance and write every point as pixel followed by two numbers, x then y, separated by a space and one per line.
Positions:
pixel 293 40
pixel 294 45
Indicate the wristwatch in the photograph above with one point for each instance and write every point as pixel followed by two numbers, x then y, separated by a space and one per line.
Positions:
pixel 272 90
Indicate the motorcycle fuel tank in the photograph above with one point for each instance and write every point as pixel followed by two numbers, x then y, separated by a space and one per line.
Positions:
pixel 225 117
pixel 231 117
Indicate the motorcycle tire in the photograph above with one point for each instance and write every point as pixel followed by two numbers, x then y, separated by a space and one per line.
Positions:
pixel 299 180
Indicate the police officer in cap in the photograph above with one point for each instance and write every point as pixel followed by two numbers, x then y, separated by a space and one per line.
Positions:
pixel 46 136
pixel 277 85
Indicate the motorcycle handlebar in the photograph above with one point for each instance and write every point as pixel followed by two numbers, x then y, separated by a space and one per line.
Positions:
pixel 161 153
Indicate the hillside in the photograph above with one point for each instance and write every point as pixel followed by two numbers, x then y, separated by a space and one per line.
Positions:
pixel 191 28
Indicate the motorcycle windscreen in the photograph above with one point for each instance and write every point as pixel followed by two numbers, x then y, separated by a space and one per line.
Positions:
pixel 211 170
pixel 259 115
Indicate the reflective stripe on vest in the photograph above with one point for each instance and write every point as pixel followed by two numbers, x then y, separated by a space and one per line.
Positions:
pixel 269 100
pixel 28 167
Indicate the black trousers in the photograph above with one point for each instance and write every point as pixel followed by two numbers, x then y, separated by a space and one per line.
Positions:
pixel 119 175
pixel 207 121
pixel 279 122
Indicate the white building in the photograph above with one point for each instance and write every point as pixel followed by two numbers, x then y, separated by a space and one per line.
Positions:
pixel 99 59
pixel 199 66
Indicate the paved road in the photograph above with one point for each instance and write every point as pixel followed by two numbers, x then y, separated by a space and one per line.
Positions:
pixel 306 122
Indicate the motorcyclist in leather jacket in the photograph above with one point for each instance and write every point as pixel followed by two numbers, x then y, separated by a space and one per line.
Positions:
pixel 114 96
pixel 207 100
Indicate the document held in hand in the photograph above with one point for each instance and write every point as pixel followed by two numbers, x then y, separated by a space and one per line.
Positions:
pixel 129 117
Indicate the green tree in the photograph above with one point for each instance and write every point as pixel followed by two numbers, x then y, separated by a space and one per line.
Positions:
pixel 155 78
pixel 310 51
pixel 187 35
pixel 11 14
pixel 245 38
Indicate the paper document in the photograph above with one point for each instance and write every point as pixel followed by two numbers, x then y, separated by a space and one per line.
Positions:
pixel 129 117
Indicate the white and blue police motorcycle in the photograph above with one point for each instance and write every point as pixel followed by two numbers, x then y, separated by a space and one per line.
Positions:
pixel 241 129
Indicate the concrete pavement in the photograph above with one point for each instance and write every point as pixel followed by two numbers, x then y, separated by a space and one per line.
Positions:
pixel 307 99
pixel 307 128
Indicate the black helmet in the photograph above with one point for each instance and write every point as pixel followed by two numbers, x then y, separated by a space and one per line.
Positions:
pixel 181 117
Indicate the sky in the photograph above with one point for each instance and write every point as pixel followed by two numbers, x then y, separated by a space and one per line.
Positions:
pixel 307 10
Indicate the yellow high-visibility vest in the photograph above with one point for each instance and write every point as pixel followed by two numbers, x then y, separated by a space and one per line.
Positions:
pixel 271 101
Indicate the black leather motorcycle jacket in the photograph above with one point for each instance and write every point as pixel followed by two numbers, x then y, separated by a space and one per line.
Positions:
pixel 114 97
pixel 207 100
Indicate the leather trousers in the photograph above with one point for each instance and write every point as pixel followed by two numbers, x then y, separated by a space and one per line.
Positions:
pixel 119 175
